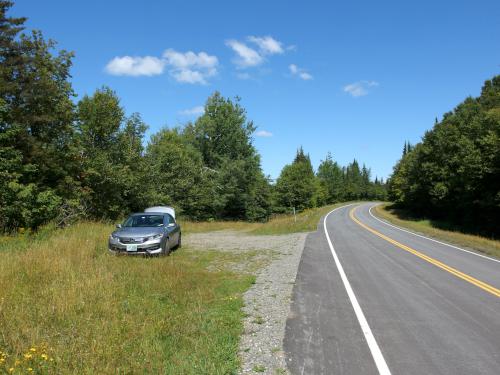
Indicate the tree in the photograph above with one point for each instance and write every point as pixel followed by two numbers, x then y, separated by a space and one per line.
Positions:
pixel 223 136
pixel 331 179
pixel 296 187
pixel 113 172
pixel 454 173
pixel 37 153
pixel 180 178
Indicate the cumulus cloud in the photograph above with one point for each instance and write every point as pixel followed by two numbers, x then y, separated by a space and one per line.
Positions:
pixel 263 133
pixel 254 55
pixel 360 88
pixel 267 45
pixel 190 67
pixel 247 56
pixel 195 111
pixel 135 66
pixel 185 67
pixel 299 72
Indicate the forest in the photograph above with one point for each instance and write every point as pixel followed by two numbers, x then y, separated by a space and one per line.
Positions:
pixel 453 174
pixel 63 159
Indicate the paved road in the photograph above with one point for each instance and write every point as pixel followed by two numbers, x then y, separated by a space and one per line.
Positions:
pixel 432 311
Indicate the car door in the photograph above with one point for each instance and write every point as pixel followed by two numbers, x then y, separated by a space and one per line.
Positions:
pixel 173 230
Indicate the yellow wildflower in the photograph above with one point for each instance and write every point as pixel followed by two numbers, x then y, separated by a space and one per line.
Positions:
pixel 30 369
pixel 33 350
pixel 11 369
pixel 28 356
pixel 45 356
pixel 17 362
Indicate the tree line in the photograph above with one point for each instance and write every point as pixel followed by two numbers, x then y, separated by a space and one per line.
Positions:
pixel 453 174
pixel 63 160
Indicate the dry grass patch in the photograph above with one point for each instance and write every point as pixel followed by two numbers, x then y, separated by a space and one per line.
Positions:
pixel 305 221
pixel 102 314
pixel 426 227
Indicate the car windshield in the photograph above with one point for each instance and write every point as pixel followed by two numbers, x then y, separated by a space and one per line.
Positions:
pixel 144 221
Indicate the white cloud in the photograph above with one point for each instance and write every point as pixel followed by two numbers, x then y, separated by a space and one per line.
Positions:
pixel 195 111
pixel 305 76
pixel 187 67
pixel 267 45
pixel 247 56
pixel 263 133
pixel 135 66
pixel 190 67
pixel 189 59
pixel 360 88
pixel 299 72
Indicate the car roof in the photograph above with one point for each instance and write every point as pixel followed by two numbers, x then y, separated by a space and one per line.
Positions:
pixel 148 213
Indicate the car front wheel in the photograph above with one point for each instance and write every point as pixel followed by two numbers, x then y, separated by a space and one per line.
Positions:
pixel 179 242
pixel 166 247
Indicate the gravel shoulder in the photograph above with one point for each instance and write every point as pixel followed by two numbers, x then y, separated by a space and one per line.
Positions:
pixel 274 260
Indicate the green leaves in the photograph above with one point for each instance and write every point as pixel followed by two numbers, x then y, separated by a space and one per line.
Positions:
pixel 454 173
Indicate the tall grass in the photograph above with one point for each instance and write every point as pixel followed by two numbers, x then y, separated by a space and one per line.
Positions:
pixel 427 227
pixel 305 221
pixel 102 314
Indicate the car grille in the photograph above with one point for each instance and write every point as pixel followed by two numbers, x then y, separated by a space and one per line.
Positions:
pixel 131 240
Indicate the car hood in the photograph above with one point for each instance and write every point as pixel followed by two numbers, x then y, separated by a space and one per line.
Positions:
pixel 138 231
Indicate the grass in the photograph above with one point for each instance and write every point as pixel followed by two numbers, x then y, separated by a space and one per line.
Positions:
pixel 306 221
pixel 100 314
pixel 429 228
pixel 67 306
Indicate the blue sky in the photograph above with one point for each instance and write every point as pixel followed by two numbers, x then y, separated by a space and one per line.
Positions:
pixel 354 78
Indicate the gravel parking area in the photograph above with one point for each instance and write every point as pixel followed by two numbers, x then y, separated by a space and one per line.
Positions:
pixel 267 302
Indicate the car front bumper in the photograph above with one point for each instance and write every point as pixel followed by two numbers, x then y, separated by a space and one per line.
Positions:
pixel 152 247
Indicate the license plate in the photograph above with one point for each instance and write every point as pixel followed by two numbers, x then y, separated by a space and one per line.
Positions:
pixel 131 248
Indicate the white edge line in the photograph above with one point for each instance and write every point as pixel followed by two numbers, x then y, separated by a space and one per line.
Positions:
pixel 430 239
pixel 380 362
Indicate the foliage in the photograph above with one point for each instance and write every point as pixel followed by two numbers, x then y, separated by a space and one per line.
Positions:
pixel 63 160
pixel 223 136
pixel 454 173
pixel 179 175
pixel 299 187
pixel 110 147
pixel 36 111
pixel 296 186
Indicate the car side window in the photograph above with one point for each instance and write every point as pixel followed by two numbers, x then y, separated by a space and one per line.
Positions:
pixel 170 219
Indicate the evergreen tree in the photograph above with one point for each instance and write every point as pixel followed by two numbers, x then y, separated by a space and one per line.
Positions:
pixel 223 136
pixel 295 187
pixel 454 173
pixel 36 111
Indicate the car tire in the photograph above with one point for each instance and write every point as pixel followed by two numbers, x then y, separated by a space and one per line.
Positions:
pixel 179 242
pixel 166 250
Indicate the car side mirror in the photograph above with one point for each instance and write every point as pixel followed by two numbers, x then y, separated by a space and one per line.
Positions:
pixel 118 226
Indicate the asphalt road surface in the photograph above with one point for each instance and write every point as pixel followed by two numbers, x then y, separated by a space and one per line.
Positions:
pixel 391 303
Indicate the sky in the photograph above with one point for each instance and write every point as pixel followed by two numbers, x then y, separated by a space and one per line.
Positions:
pixel 354 78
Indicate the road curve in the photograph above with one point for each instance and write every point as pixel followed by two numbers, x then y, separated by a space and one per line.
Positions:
pixel 430 308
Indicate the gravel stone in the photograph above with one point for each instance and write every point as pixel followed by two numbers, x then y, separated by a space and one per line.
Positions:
pixel 267 302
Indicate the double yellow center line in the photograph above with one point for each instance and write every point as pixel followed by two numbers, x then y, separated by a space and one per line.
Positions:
pixel 437 263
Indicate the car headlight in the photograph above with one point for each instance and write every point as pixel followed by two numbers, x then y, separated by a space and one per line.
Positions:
pixel 155 237
pixel 113 236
